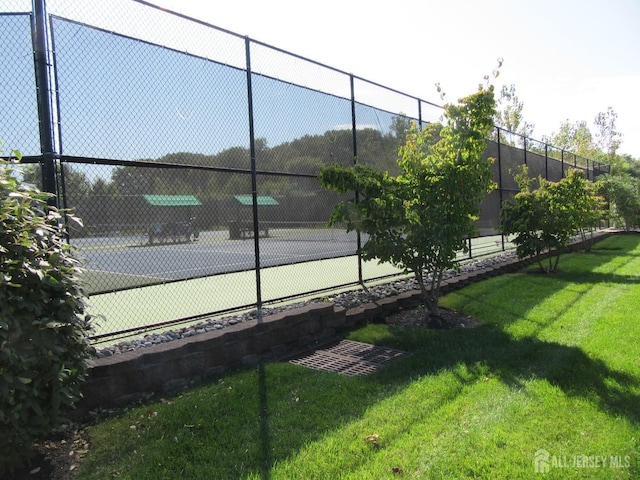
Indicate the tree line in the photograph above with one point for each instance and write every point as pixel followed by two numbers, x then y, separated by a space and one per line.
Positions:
pixel 289 169
pixel 620 188
pixel 286 172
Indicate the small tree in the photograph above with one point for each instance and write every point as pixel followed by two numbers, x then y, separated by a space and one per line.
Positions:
pixel 420 219
pixel 509 112
pixel 43 325
pixel 543 220
pixel 623 194
pixel 584 203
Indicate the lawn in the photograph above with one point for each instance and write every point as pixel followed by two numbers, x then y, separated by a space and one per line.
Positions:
pixel 550 382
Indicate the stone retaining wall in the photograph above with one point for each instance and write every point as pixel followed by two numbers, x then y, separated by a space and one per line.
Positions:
pixel 164 368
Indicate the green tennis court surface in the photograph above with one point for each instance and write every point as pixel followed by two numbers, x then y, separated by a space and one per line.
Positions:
pixel 172 299
pixel 155 304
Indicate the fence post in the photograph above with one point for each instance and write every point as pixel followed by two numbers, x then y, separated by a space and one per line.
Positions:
pixel 354 138
pixel 500 186
pixel 254 181
pixel 43 65
pixel 546 161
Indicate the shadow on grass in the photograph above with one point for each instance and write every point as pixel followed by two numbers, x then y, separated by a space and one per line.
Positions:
pixel 582 272
pixel 263 423
pixel 515 361
pixel 486 350
pixel 619 242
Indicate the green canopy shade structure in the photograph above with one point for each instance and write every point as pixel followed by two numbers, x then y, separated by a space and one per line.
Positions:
pixel 172 200
pixel 261 199
pixel 242 227
pixel 171 218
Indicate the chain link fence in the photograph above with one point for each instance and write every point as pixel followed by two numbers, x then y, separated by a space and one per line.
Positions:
pixel 191 154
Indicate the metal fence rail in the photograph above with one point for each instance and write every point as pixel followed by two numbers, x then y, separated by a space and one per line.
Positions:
pixel 191 154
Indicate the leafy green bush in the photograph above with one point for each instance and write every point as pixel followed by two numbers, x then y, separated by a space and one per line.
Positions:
pixel 544 219
pixel 623 194
pixel 43 326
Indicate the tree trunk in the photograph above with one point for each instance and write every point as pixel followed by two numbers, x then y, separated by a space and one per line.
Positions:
pixel 430 296
pixel 426 299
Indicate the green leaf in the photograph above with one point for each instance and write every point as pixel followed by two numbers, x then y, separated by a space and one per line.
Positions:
pixel 39 293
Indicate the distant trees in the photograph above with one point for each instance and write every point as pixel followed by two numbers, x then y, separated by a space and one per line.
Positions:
pixel 400 127
pixel 576 137
pixel 509 112
pixel 621 187
pixel 602 144
pixel 107 201
pixel 607 138
pixel 573 137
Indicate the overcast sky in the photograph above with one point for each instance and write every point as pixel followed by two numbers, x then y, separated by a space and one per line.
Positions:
pixel 568 59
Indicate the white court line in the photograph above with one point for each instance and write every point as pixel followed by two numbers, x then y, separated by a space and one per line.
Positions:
pixel 126 274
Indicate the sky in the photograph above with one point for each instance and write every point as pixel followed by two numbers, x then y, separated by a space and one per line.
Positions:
pixel 568 59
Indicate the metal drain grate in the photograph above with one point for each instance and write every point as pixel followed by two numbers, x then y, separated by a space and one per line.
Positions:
pixel 349 358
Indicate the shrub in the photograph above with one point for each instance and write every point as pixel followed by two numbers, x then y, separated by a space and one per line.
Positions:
pixel 543 220
pixel 623 193
pixel 43 326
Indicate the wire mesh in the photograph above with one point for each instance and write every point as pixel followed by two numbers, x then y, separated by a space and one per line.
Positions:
pixel 510 158
pixel 379 134
pixel 166 143
pixel 556 169
pixel 19 119
pixel 15 6
pixel 290 68
pixel 142 101
pixel 153 225
pixel 383 98
pixel 304 128
pixel 156 26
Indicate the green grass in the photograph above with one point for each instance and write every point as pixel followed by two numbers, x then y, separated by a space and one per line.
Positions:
pixel 555 366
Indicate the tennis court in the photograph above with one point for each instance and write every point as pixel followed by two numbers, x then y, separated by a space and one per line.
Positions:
pixel 134 284
pixel 115 263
